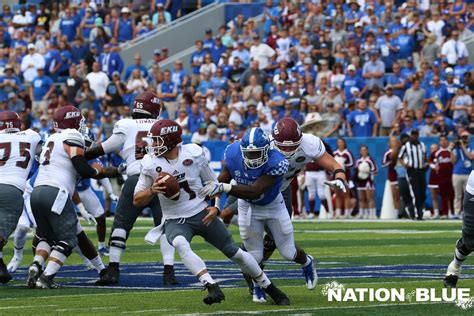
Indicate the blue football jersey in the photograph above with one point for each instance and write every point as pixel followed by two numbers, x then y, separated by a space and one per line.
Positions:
pixel 84 184
pixel 277 165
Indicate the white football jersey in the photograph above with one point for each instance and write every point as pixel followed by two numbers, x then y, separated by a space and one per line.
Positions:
pixel 191 169
pixel 135 132
pixel 470 183
pixel 311 148
pixel 56 168
pixel 17 153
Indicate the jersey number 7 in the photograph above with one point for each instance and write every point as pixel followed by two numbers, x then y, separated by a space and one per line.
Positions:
pixel 24 152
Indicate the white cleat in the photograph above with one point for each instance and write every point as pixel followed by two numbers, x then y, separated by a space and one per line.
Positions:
pixel 14 264
pixel 310 274
pixel 88 265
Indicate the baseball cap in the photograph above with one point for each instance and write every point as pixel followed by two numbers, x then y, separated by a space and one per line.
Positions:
pixel 125 10
pixel 203 125
pixel 116 73
pixel 465 133
pixel 449 71
pixel 428 115
pixel 354 90
pixel 11 95
pixel 208 30
pixel 358 24
pixel 31 46
pixel 351 67
pixel 280 82
pixel 435 63
pixel 160 5
pixel 107 114
pixel 307 60
pixel 43 118
pixel 93 45
pixel 8 67
pixel 178 61
pixel 389 86
pixel 409 59
pixel 98 22
pixel 323 62
pixel 386 31
pixel 157 52
pixel 414 131
pixel 324 45
pixel 374 52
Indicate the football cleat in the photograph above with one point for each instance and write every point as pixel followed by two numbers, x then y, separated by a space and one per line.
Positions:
pixel 89 266
pixel 47 282
pixel 104 251
pixel 310 274
pixel 452 275
pixel 277 295
pixel 34 271
pixel 258 295
pixel 14 264
pixel 5 276
pixel 215 295
pixel 110 275
pixel 168 276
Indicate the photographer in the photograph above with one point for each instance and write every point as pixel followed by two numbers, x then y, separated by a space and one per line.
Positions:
pixel 462 156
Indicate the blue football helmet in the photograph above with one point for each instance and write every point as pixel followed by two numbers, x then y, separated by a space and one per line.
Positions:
pixel 254 147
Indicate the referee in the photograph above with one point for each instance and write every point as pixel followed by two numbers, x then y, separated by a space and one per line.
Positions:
pixel 413 157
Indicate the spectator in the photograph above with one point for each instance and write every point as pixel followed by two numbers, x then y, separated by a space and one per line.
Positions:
pixel 412 157
pixel 389 108
pixel 207 67
pixel 9 82
pixel 261 52
pixel 195 118
pixel 252 116
pixel 441 165
pixel 461 104
pixel 389 161
pixel 353 80
pixel 197 57
pixel 431 50
pixel 252 92
pixel 254 70
pixel 436 98
pixel 66 59
pixel 362 122
pixel 397 81
pixel 160 12
pixel 462 156
pixel 111 61
pixel 41 88
pixel 115 93
pixel 78 50
pixel 15 104
pixel 68 26
pixel 200 135
pixel 428 128
pixel 98 81
pixel 91 57
pixel 137 64
pixel 73 84
pixel 364 181
pixel 182 120
pixel 106 127
pixel 414 97
pixel 125 29
pixel 87 23
pixel 168 92
pixel 453 49
pixel 136 83
pixel 334 119
pixel 241 53
pixel 31 63
pixel 373 71
pixel 435 26
pixel 100 34
pixel 85 97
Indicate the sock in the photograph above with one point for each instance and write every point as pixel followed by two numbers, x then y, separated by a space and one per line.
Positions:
pixel 338 212
pixel 53 266
pixel 366 212
pixel 167 251
pixel 117 244
pixel 114 254
pixel 191 260
pixel 206 278
pixel 101 244
pixel 97 263
pixel 459 257
pixel 373 213
pixel 43 249
pixel 263 281
pixel 435 212
pixel 349 212
pixel 249 266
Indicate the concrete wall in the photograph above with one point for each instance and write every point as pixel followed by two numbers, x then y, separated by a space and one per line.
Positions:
pixel 179 35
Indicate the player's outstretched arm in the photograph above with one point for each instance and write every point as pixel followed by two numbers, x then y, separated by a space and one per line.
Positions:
pixel 254 191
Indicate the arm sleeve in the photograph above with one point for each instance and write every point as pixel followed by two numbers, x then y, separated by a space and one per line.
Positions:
pixel 144 182
pixel 105 182
pixel 114 142
pixel 206 173
pixel 82 167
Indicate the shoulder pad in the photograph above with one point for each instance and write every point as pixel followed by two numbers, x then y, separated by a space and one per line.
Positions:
pixel 122 126
pixel 147 164
pixel 193 149
pixel 229 151
pixel 73 138
pixel 33 134
pixel 312 146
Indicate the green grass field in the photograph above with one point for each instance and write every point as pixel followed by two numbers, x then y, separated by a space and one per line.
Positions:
pixel 394 250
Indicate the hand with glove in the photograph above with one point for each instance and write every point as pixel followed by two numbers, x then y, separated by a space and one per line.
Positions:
pixel 337 184
pixel 113 197
pixel 213 188
pixel 86 215
pixel 122 168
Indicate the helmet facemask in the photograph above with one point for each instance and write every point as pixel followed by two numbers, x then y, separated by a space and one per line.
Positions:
pixel 288 148
pixel 160 149
pixel 255 157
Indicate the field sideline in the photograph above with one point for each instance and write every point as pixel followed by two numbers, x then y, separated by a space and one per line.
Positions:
pixel 375 254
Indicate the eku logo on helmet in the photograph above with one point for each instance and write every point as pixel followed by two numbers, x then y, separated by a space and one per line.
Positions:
pixel 168 130
pixel 70 115
pixel 155 100
pixel 275 130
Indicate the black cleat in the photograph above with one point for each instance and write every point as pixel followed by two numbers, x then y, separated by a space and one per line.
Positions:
pixel 109 275
pixel 277 295
pixel 5 276
pixel 47 282
pixel 168 276
pixel 450 281
pixel 34 272
pixel 215 294
pixel 249 281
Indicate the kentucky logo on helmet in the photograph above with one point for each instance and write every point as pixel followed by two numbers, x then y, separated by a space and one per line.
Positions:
pixel 168 130
pixel 70 115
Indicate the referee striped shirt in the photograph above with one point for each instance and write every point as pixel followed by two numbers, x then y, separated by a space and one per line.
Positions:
pixel 413 154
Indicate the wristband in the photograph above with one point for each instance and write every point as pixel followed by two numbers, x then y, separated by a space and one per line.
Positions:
pixel 338 171
pixel 226 187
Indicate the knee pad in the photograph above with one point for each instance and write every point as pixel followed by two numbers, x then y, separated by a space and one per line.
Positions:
pixel 288 251
pixel 180 243
pixel 118 238
pixel 63 247
pixel 269 243
pixel 462 247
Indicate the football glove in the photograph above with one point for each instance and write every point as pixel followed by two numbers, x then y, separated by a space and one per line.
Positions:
pixel 122 168
pixel 86 215
pixel 213 188
pixel 113 197
pixel 336 184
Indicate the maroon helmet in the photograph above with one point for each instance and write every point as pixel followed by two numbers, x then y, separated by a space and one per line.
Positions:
pixel 147 103
pixel 10 122
pixel 69 117
pixel 165 135
pixel 287 135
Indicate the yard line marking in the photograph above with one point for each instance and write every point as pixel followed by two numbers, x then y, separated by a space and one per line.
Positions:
pixel 150 310
pixel 84 309
pixel 290 310
pixel 377 231
pixel 26 306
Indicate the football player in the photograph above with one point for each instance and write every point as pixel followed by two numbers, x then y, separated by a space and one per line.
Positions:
pixel 61 161
pixel 17 152
pixel 259 172
pixel 129 136
pixel 465 245
pixel 190 215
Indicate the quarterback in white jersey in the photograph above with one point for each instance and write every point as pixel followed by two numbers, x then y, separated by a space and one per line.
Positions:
pixel 17 153
pixel 129 136
pixel 465 245
pixel 190 215
pixel 62 159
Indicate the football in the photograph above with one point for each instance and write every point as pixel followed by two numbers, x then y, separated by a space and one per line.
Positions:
pixel 172 185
